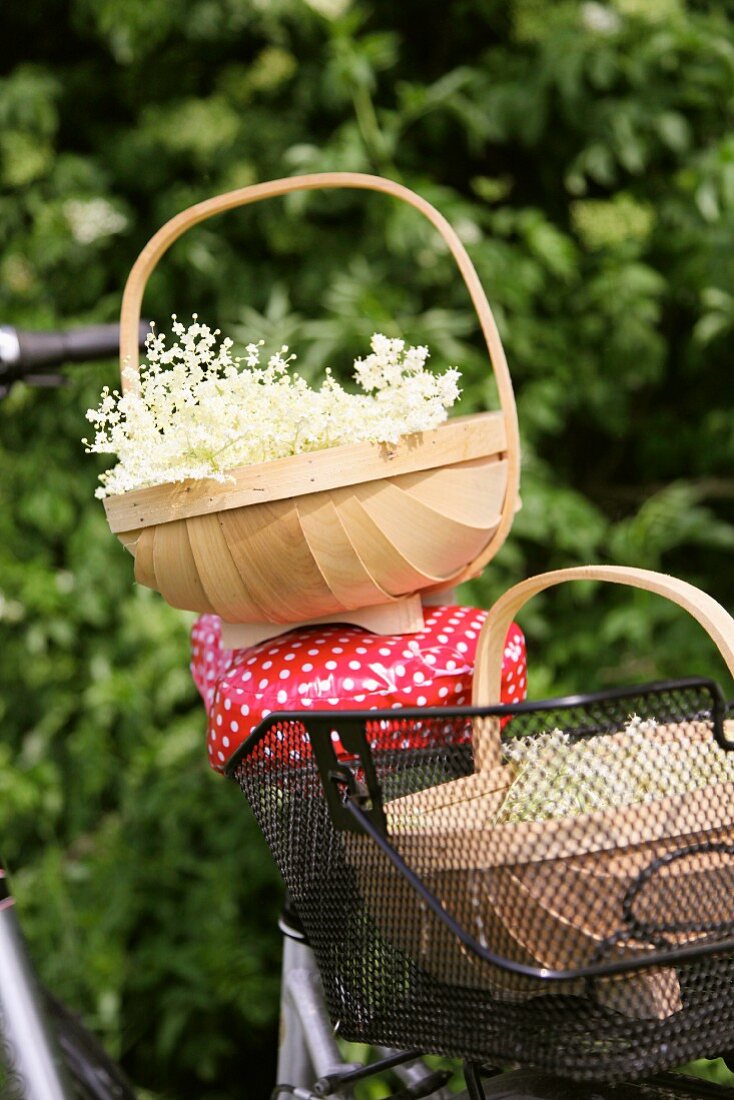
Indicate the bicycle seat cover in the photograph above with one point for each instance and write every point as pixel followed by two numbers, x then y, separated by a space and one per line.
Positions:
pixel 344 667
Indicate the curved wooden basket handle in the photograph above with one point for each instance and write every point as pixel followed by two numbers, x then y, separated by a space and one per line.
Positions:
pixel 717 622
pixel 173 229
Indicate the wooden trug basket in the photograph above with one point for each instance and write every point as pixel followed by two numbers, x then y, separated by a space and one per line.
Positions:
pixel 529 897
pixel 356 533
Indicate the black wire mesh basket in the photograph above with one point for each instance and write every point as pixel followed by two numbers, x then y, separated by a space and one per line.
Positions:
pixel 487 932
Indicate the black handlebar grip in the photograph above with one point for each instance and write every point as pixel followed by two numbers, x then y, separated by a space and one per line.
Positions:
pixel 43 349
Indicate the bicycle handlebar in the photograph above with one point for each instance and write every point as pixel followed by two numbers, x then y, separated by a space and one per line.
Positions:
pixel 23 353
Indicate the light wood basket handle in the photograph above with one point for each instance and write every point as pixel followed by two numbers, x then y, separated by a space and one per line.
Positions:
pixel 717 622
pixel 173 229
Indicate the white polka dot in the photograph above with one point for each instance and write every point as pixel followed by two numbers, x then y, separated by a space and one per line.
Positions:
pixel 355 664
pixel 211 749
pixel 307 702
pixel 213 735
pixel 330 665
pixel 227 704
pixel 313 652
pixel 225 742
pixel 462 647
pixel 302 689
pixel 246 676
pixel 400 670
pixel 349 683
pixel 458 686
pixel 371 684
pixel 284 674
pixel 443 638
pixel 244 709
pixel 450 665
pixel 263 683
pixel 359 698
pixel 282 696
pixel 443 692
pixel 220 755
pixel 421 700
pixel 334 735
pixel 336 649
pixel 308 667
pixel 219 719
pixel 265 713
pixel 430 658
pixel 418 677
pixel 384 651
pixel 289 657
pixel 297 645
pixel 511 689
pixel 360 649
pixel 460 700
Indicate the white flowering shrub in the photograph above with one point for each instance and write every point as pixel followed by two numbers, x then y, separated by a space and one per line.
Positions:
pixel 198 412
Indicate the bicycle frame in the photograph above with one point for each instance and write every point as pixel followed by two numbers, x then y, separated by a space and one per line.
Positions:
pixel 308 1052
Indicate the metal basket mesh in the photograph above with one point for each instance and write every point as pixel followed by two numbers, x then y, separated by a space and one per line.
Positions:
pixel 589 896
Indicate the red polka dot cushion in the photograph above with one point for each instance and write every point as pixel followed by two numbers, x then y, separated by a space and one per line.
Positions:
pixel 344 667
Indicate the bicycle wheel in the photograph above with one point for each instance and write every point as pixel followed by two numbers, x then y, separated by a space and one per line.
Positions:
pixel 90 1072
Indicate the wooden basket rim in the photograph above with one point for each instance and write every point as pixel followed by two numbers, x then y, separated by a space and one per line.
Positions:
pixel 517 842
pixel 459 439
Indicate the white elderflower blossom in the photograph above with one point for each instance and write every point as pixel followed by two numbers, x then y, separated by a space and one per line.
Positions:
pixel 93 219
pixel 330 9
pixel 557 777
pixel 599 19
pixel 198 413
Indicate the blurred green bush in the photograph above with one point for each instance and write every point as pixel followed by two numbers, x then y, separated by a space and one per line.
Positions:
pixel 584 152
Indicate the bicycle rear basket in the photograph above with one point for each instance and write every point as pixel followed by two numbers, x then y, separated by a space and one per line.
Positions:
pixel 610 955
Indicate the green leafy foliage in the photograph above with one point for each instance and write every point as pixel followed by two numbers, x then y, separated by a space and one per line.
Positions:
pixel 584 153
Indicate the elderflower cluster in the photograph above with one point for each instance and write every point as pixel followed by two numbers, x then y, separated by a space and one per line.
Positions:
pixel 197 412
pixel 557 777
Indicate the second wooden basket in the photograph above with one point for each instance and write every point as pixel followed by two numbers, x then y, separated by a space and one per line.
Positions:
pixel 550 893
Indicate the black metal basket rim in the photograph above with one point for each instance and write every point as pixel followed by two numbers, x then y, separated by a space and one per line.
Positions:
pixel 500 710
